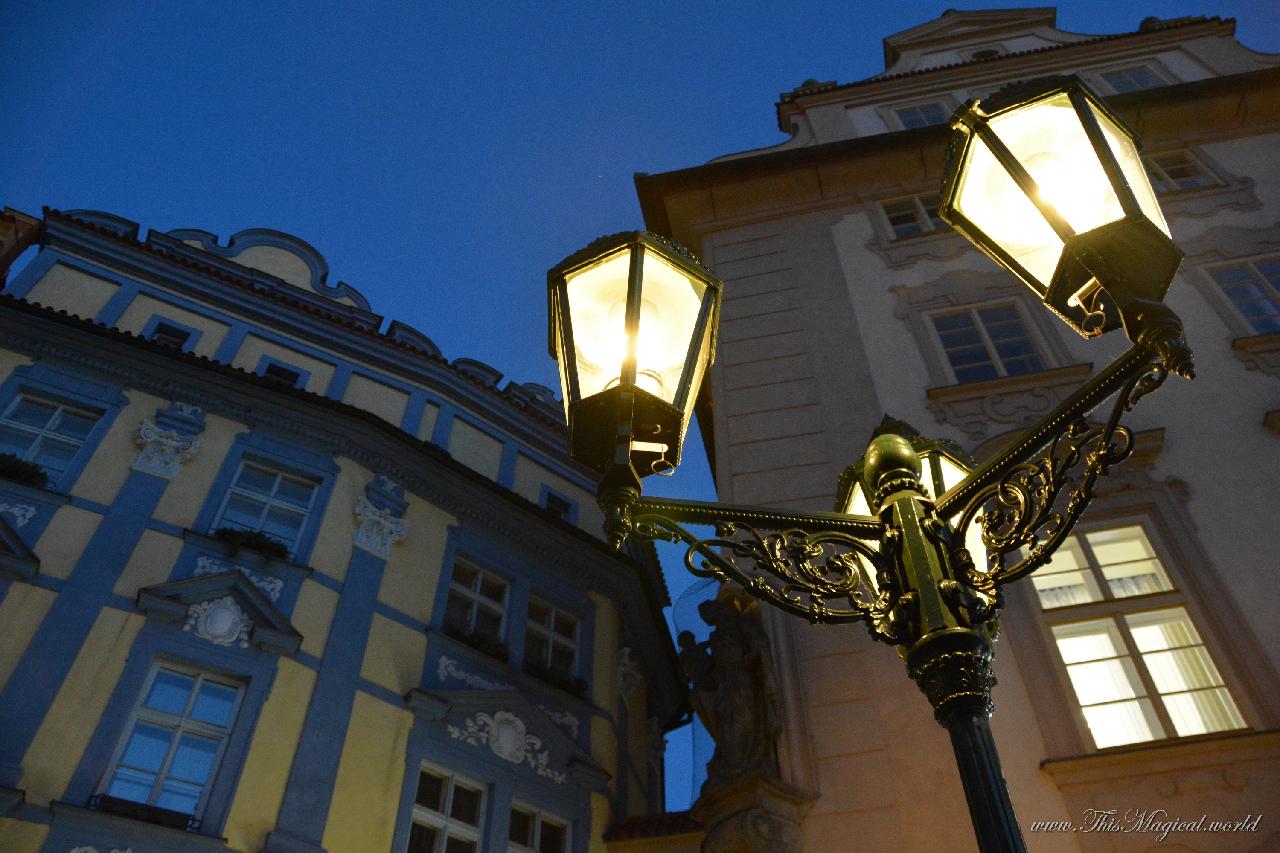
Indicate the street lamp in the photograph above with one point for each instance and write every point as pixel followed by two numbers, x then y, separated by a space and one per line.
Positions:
pixel 1045 180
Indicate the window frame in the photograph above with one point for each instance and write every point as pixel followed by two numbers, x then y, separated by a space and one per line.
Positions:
pixel 930 224
pixel 1241 322
pixel 550 635
pixel 894 113
pixel 571 506
pixel 482 571
pixel 1149 162
pixel 972 309
pixel 1156 70
pixel 163 719
pixel 281 472
pixel 539 815
pixel 443 820
pixel 153 324
pixel 266 361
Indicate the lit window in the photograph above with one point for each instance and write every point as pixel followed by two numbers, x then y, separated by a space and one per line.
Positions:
pixel 1120 561
pixel 911 217
pixel 986 343
pixel 1175 171
pixel 169 335
pixel 446 814
pixel 477 604
pixel 1124 684
pixel 1254 290
pixel 921 115
pixel 1132 79
pixel 550 639
pixel 530 830
pixel 268 500
pixel 44 432
pixel 170 753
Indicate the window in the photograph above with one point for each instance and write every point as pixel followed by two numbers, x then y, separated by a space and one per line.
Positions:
pixel 559 506
pixel 1175 171
pixel 1141 674
pixel 169 335
pixel 174 742
pixel 911 217
pixel 45 432
pixel 530 830
pixel 446 814
pixel 986 343
pixel 262 498
pixel 476 608
pixel 1131 79
pixel 281 373
pixel 1120 560
pixel 1254 289
pixel 550 640
pixel 921 115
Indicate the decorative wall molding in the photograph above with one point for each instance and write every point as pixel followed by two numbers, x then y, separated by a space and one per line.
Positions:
pixel 448 668
pixel 509 739
pixel 983 409
pixel 1256 352
pixel 630 678
pixel 164 451
pixel 220 621
pixel 271 587
pixel 379 530
pixel 20 513
pixel 566 720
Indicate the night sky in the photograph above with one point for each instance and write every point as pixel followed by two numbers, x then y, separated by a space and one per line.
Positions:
pixel 441 156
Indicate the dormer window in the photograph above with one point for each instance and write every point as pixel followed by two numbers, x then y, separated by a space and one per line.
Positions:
pixel 169 335
pixel 1132 79
pixel 282 372
pixel 922 115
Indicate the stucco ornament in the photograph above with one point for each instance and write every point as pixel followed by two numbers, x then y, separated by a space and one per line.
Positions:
pixel 448 668
pixel 88 849
pixel 630 678
pixel 163 450
pixel 21 513
pixel 509 739
pixel 220 621
pixel 379 528
pixel 271 587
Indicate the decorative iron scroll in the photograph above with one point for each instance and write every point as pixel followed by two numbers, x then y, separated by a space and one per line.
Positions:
pixel 1036 503
pixel 825 576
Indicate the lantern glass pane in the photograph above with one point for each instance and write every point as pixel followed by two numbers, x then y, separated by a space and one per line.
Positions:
pixel 1126 153
pixel 990 198
pixel 858 502
pixel 598 311
pixel 952 471
pixel 1050 143
pixel 703 357
pixel 669 306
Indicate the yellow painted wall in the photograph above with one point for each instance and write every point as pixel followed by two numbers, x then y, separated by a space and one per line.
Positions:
pixel 185 494
pixel 476 449
pixel 18 836
pixel 379 398
pixel 278 262
pixel 366 796
pixel 430 414
pixel 140 310
pixel 149 564
pixel 73 291
pixel 10 360
pixel 63 541
pixel 601 820
pixel 332 551
pixel 413 571
pixel 266 768
pixel 313 616
pixel 529 479
pixel 254 348
pixel 21 613
pixel 58 745
pixel 394 655
pixel 604 687
pixel 109 466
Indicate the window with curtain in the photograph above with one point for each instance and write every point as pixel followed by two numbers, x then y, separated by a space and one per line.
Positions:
pixel 987 342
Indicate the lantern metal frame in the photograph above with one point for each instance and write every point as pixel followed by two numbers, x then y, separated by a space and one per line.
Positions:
pixel 604 428
pixel 904 569
pixel 1104 275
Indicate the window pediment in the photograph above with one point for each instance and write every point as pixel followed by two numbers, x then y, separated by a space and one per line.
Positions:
pixel 226 609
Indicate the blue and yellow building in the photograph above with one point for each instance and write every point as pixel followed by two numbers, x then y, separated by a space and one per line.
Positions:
pixel 275 577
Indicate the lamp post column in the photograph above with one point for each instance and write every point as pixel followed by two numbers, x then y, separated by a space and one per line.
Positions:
pixel 942 619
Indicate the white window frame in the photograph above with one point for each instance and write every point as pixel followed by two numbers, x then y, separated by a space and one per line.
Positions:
pixel 1251 263
pixel 896 112
pixel 549 634
pixel 49 430
pixel 181 724
pixel 923 219
pixel 538 817
pixel 1159 73
pixel 478 599
pixel 996 360
pixel 270 501
pixel 450 826
pixel 1159 175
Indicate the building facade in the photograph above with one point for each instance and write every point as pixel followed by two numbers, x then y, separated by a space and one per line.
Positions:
pixel 1137 671
pixel 273 577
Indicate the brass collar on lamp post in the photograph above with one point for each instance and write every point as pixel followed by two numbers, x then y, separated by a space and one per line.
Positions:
pixel 1044 179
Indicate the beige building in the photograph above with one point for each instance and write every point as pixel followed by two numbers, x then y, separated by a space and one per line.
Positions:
pixel 1138 671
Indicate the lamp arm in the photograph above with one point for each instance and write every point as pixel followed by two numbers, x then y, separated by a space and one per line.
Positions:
pixel 1022 507
pixel 825 576
pixel 762 518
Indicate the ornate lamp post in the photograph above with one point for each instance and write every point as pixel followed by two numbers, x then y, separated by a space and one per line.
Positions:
pixel 1045 180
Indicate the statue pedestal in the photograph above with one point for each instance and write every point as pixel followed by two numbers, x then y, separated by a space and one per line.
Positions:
pixel 751 813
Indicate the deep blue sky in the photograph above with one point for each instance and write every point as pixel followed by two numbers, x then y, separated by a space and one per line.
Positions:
pixel 440 155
